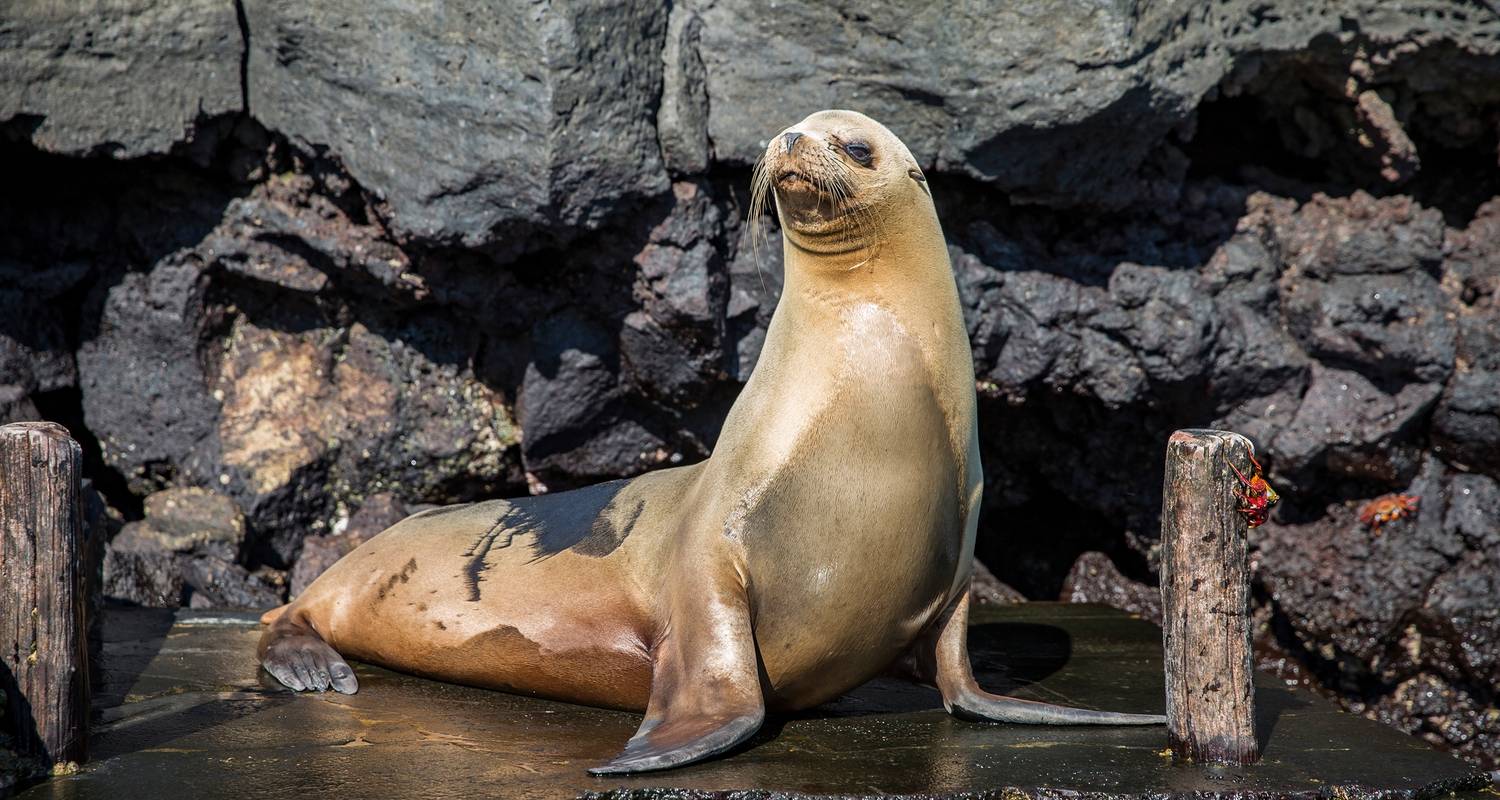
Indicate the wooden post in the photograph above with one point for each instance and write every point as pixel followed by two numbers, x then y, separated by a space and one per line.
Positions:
pixel 43 635
pixel 1205 587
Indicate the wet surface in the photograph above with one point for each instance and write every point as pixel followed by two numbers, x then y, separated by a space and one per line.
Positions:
pixel 184 712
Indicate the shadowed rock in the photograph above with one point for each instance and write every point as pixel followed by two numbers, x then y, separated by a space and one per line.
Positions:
pixel 1095 579
pixel 188 550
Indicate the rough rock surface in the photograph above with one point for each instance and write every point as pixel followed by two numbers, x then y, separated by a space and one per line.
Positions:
pixel 188 550
pixel 128 78
pixel 546 121
pixel 1022 97
pixel 1401 619
pixel 987 590
pixel 1095 579
pixel 310 257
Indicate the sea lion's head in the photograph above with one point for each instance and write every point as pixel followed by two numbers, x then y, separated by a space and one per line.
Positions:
pixel 837 177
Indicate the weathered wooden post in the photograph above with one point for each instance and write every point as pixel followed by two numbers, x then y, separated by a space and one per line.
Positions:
pixel 43 633
pixel 1205 591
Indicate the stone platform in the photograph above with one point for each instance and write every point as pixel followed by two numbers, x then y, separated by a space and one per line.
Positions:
pixel 184 712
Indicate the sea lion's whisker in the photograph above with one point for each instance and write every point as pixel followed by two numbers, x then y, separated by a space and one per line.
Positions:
pixel 760 185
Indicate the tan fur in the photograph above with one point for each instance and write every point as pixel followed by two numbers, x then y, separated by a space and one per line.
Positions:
pixel 831 529
pixel 274 614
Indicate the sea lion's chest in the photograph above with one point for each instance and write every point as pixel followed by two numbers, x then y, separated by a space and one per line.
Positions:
pixel 854 536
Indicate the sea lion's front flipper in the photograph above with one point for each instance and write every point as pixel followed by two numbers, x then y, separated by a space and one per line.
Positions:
pixel 942 658
pixel 705 683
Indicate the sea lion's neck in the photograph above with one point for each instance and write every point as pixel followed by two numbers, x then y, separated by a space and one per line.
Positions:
pixel 909 272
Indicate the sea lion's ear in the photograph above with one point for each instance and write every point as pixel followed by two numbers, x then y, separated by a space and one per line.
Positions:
pixel 916 175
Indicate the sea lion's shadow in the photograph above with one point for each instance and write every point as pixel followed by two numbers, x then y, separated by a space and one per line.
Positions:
pixel 1007 656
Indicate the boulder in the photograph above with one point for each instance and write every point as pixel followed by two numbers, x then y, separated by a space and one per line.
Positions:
pixel 1348 426
pixel 1095 579
pixel 1047 102
pixel 1466 424
pixel 987 590
pixel 336 412
pixel 1345 587
pixel 268 399
pixel 476 122
pixel 187 551
pixel 1402 619
pixel 144 396
pixel 121 78
pixel 189 521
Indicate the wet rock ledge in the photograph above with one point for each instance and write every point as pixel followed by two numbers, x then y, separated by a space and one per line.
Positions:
pixel 182 710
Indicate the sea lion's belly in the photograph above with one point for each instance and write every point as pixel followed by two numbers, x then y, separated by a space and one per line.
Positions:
pixel 455 596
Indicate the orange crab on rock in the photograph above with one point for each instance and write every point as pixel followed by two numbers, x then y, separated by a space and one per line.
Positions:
pixel 1388 508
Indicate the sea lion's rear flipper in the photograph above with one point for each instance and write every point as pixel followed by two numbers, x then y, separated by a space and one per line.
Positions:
pixel 293 652
pixel 942 658
pixel 705 682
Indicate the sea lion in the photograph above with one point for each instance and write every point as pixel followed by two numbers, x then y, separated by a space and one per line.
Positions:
pixel 829 536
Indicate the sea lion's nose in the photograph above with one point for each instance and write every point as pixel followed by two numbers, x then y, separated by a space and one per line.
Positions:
pixel 791 139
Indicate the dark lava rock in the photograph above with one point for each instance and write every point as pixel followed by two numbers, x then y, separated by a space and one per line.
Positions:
pixel 34 351
pixel 1037 330
pixel 987 590
pixel 672 346
pixel 570 404
pixel 191 521
pixel 143 391
pixel 126 79
pixel 14 769
pixel 17 407
pixel 377 513
pixel 1467 421
pixel 1344 586
pixel 476 122
pixel 1095 579
pixel 1362 289
pixel 1019 97
pixel 682 119
pixel 1347 426
pixel 218 584
pixel 143 577
pixel 343 411
pixel 1254 357
pixel 1402 620
pixel 233 364
pixel 187 551
pixel 1362 235
pixel 1466 424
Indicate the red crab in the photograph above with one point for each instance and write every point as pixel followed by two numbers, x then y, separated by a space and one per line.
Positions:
pixel 1388 508
pixel 1258 497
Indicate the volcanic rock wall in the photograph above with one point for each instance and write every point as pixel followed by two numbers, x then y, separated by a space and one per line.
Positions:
pixel 304 255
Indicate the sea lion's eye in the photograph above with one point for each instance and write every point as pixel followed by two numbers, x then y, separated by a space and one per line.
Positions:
pixel 860 152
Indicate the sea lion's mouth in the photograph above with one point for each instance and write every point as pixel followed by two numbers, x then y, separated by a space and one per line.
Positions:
pixel 792 179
